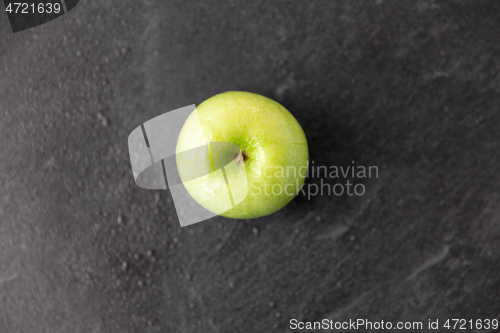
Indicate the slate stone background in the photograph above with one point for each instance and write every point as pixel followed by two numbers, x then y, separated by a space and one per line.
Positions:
pixel 412 87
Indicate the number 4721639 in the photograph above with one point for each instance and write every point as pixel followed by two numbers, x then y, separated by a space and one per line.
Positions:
pixel 25 8
pixel 463 324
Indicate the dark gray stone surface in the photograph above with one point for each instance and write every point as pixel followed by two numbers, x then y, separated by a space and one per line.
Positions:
pixel 412 87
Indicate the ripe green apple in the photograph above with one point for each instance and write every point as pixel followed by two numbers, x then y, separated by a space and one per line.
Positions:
pixel 255 152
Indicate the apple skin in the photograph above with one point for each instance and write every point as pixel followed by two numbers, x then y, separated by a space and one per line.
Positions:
pixel 270 139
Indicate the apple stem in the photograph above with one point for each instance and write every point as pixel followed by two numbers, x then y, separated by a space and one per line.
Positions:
pixel 243 157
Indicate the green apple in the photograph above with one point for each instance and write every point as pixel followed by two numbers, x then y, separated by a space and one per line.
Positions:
pixel 242 155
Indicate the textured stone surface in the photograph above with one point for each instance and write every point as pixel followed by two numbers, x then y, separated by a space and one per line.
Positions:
pixel 412 87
